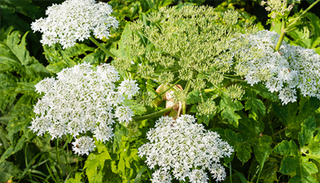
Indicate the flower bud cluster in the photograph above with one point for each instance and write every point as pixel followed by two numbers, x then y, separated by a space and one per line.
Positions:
pixel 283 71
pixel 83 100
pixel 277 7
pixel 185 149
pixel 75 20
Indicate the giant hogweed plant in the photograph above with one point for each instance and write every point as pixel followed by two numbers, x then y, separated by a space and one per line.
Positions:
pixel 257 91
pixel 217 66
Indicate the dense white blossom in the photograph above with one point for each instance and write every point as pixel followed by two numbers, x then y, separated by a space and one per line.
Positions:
pixel 83 145
pixel 81 100
pixel 128 88
pixel 185 149
pixel 75 20
pixel 283 71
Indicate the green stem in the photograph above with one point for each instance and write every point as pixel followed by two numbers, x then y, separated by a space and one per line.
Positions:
pixel 281 35
pixel 305 11
pixel 152 115
pixel 184 108
pixel 101 47
pixel 300 16
pixel 279 131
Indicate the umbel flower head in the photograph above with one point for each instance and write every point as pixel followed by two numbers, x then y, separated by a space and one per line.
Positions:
pixel 185 149
pixel 82 100
pixel 283 71
pixel 75 20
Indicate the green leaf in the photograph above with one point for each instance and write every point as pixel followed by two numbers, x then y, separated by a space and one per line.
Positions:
pixel 307 107
pixel 7 88
pixel 94 58
pixel 265 93
pixel 194 97
pixel 24 7
pixel 8 170
pixel 228 108
pixel 22 114
pixel 138 109
pixel 287 115
pixel 14 57
pixel 143 169
pixel 60 59
pixel 13 149
pixel 270 170
pixel 240 143
pixel 287 148
pixel 11 12
pixel 254 104
pixel 95 163
pixel 262 149
pixel 300 168
pixel 77 178
pixel 308 128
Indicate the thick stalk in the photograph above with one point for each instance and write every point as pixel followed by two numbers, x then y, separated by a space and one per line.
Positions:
pixel 101 47
pixel 152 115
pixel 281 35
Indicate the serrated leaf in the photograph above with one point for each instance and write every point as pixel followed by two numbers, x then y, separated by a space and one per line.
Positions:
pixel 300 168
pixel 15 58
pixel 287 148
pixel 254 104
pixel 263 92
pixel 308 128
pixel 228 108
pixel 239 142
pixel 193 97
pixel 95 163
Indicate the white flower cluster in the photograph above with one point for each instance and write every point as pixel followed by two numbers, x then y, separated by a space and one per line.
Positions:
pixel 186 149
pixel 75 20
pixel 284 71
pixel 82 100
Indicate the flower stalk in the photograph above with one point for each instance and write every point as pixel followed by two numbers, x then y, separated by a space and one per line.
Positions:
pixel 152 115
pixel 281 35
pixel 101 47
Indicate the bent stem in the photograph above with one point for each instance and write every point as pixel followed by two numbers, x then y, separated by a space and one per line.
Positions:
pixel 152 115
pixel 101 47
